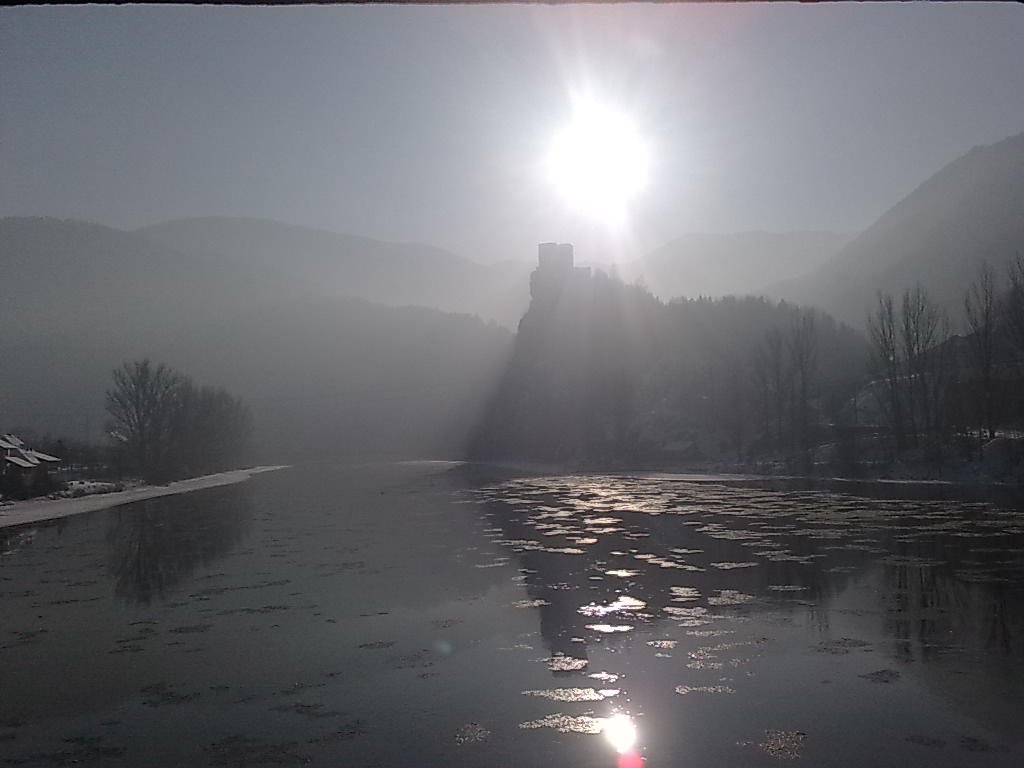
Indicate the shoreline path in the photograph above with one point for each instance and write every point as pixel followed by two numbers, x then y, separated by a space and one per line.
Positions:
pixel 39 510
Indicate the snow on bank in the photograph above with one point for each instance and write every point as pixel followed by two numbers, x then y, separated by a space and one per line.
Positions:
pixel 37 510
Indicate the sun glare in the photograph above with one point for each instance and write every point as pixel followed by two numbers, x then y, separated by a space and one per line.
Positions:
pixel 599 162
pixel 620 732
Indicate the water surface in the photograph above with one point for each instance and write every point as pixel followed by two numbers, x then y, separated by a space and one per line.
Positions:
pixel 408 614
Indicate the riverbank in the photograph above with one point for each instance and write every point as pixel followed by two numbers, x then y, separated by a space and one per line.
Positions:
pixel 38 510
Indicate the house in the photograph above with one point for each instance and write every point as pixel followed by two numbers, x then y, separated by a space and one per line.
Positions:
pixel 22 467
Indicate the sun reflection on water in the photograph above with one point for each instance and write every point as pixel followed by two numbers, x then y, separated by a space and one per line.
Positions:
pixel 620 731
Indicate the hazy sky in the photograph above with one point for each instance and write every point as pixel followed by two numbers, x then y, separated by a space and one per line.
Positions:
pixel 429 123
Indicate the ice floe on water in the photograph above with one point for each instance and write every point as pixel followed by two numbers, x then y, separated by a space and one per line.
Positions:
pixel 710 632
pixel 696 611
pixel 567 723
pixel 621 604
pixel 569 694
pixel 564 550
pixel 560 663
pixel 705 664
pixel 684 594
pixel 530 603
pixel 683 690
pixel 610 628
pixel 472 733
pixel 663 644
pixel 786 745
pixel 729 566
pixel 730 597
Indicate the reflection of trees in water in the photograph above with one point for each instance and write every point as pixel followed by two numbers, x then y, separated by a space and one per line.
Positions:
pixel 155 544
pixel 13 539
pixel 945 588
pixel 945 606
pixel 565 582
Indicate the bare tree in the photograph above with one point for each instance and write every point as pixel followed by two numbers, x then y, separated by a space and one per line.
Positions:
pixel 211 432
pixel 143 406
pixel 941 365
pixel 1013 309
pixel 773 380
pixel 887 363
pixel 920 327
pixel 981 308
pixel 169 427
pixel 803 359
pixel 730 400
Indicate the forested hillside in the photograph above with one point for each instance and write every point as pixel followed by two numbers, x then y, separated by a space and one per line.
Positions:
pixel 603 370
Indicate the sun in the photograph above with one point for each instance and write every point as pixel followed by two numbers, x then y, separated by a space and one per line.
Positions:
pixel 599 162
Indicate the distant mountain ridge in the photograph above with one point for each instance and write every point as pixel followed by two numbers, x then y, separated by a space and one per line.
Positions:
pixel 323 374
pixel 332 264
pixel 970 211
pixel 706 264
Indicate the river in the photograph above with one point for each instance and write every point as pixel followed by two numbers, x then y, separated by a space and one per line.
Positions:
pixel 431 614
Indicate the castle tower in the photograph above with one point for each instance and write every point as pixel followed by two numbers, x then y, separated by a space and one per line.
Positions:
pixel 554 270
pixel 555 258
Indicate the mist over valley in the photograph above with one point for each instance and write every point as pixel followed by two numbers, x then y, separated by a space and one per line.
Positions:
pixel 608 384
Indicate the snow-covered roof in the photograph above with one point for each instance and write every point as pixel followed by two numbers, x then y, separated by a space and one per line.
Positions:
pixel 16 453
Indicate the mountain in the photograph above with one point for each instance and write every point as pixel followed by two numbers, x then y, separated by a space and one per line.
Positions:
pixel 323 375
pixel 332 264
pixel 967 213
pixel 731 264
